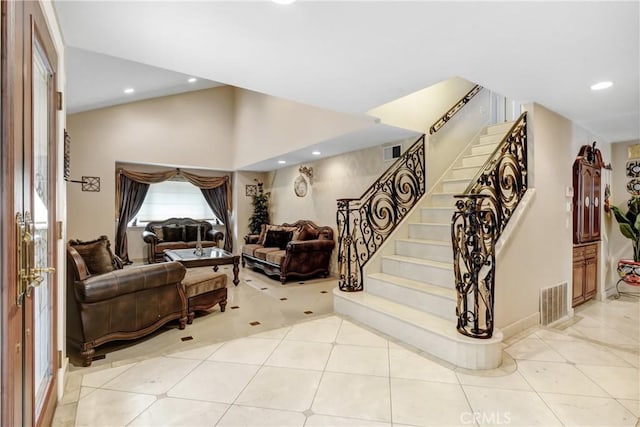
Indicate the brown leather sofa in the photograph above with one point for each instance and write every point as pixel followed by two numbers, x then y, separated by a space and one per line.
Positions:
pixel 177 233
pixel 106 304
pixel 298 250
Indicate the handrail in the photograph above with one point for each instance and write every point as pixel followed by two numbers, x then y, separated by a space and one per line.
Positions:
pixel 365 223
pixel 483 212
pixel 454 110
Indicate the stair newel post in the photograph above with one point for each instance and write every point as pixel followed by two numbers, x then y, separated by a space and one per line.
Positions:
pixel 473 237
pixel 349 280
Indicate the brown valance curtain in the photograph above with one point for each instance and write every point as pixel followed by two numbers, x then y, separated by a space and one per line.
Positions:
pixel 124 197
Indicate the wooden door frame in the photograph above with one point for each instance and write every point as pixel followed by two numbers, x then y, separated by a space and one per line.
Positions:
pixel 11 66
pixel 20 22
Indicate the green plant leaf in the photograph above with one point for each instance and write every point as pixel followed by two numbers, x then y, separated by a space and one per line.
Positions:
pixel 620 217
pixel 636 224
pixel 628 232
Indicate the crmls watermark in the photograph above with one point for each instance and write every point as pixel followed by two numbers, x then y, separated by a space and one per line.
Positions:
pixel 494 418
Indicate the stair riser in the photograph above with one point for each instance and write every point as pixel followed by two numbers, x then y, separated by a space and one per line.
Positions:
pixel 502 128
pixel 492 139
pixel 483 149
pixel 441 200
pixel 432 252
pixel 430 232
pixel 426 273
pixel 429 303
pixel 454 187
pixel 440 216
pixel 467 173
pixel 476 355
pixel 442 253
pixel 474 161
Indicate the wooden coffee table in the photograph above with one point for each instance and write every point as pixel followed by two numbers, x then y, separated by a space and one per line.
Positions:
pixel 210 257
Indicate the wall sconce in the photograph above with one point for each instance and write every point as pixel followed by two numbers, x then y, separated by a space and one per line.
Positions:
pixel 308 172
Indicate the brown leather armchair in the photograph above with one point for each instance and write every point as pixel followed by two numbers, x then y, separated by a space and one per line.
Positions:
pixel 122 304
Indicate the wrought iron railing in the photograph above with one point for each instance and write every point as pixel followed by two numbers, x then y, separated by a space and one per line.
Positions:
pixel 454 110
pixel 483 211
pixel 365 223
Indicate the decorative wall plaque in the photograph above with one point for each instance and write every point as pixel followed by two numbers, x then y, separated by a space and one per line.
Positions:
pixel 633 187
pixel 91 183
pixel 250 190
pixel 633 168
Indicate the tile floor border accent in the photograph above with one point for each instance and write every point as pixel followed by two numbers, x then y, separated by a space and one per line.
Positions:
pixel 330 371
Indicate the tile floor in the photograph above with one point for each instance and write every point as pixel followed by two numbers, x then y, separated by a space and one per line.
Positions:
pixel 330 371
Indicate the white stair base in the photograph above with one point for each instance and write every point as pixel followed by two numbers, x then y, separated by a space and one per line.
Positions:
pixel 434 272
pixel 426 332
pixel 421 296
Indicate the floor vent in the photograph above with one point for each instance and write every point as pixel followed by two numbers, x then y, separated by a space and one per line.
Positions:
pixel 553 303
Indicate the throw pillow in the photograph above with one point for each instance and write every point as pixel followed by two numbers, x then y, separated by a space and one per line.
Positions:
pixel 191 232
pixel 308 233
pixel 96 254
pixel 173 233
pixel 277 239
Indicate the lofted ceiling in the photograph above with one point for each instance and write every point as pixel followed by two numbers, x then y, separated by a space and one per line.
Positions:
pixel 352 56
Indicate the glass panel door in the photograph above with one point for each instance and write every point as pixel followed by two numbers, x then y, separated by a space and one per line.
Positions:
pixel 42 295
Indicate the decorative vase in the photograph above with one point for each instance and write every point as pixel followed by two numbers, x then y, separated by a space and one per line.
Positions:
pixel 199 251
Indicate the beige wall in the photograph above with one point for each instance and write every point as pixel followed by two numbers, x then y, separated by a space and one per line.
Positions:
pixel 344 176
pixel 188 130
pixel 217 129
pixel 266 126
pixel 538 253
pixel 419 110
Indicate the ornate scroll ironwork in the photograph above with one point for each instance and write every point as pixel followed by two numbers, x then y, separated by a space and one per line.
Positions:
pixel 365 223
pixel 473 234
pixel 454 110
pixel 483 212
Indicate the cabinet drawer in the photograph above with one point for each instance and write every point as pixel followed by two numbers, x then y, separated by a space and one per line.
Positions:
pixel 590 251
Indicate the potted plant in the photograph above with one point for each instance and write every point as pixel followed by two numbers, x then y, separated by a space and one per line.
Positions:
pixel 260 214
pixel 630 228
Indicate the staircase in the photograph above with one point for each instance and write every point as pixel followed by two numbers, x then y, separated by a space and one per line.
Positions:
pixel 413 299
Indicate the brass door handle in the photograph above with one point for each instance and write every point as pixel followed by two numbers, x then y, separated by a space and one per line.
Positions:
pixel 29 277
pixel 35 278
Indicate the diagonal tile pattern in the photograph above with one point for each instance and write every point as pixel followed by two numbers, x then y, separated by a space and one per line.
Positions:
pixel 332 372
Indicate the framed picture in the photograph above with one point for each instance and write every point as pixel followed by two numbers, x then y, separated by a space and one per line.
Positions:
pixel 251 190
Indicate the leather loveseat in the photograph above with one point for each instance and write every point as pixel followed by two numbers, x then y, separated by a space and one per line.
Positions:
pixel 299 250
pixel 107 303
pixel 177 233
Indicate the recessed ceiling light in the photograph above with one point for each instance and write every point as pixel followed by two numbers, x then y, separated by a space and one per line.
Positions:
pixel 601 85
pixel 129 90
pixel 192 80
pixel 283 1
pixel 316 153
pixel 282 162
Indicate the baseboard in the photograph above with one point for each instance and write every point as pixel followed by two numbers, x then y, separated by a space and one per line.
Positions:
pixel 62 377
pixel 521 325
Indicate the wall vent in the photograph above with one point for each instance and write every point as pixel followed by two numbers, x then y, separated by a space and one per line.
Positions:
pixel 553 303
pixel 391 152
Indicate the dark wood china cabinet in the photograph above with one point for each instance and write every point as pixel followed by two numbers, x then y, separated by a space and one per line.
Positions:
pixel 587 201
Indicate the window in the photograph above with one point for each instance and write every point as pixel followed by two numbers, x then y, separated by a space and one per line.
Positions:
pixel 169 199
